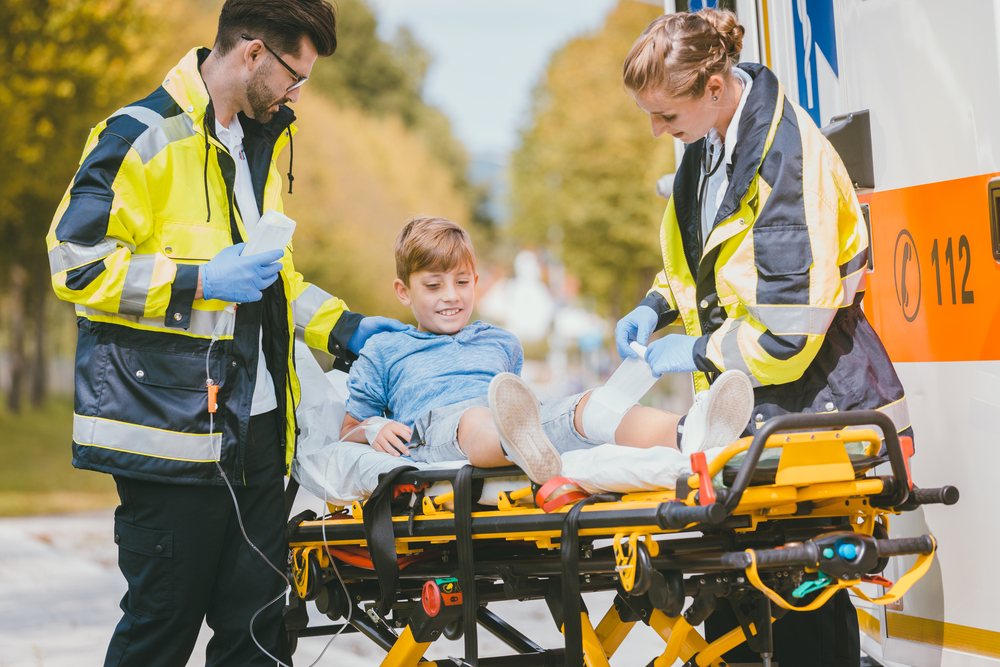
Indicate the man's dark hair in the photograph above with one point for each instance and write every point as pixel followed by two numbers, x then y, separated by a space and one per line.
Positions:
pixel 279 23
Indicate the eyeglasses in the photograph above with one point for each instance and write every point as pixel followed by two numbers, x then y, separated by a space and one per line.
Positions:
pixel 299 79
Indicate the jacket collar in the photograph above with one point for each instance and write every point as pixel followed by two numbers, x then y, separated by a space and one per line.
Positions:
pixel 186 85
pixel 754 128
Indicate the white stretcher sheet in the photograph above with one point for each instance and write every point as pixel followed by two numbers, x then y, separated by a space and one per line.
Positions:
pixel 344 472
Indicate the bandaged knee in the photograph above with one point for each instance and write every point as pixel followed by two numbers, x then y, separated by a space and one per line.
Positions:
pixel 607 406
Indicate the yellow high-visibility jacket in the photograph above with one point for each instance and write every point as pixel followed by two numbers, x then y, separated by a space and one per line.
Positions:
pixel 776 290
pixel 152 200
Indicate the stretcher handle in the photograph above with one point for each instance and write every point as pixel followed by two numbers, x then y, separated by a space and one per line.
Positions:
pixel 807 554
pixel 827 420
pixel 674 515
pixel 945 495
pixel 905 545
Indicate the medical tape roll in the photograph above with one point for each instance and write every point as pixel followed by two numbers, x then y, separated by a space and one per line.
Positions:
pixel 608 404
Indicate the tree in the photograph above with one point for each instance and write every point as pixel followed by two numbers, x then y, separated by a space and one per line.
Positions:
pixel 386 79
pixel 66 62
pixel 587 165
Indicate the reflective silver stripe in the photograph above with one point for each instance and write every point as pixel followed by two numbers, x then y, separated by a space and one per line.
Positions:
pixel 160 131
pixel 898 413
pixel 732 358
pixel 144 440
pixel 850 286
pixel 66 256
pixel 202 321
pixel 793 320
pixel 306 306
pixel 136 287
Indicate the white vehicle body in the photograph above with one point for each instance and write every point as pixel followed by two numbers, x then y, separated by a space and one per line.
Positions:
pixel 929 74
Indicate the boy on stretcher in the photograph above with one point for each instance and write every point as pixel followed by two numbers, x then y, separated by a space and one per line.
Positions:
pixel 448 390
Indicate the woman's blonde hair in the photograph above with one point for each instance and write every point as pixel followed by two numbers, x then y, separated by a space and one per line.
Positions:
pixel 679 52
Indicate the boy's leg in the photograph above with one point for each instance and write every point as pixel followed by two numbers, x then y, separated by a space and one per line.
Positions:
pixel 641 427
pixel 717 418
pixel 479 440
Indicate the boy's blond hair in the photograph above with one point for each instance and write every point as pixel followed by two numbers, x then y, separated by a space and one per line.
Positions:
pixel 432 244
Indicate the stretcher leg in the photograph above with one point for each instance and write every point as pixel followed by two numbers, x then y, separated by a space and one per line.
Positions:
pixel 713 652
pixel 685 644
pixel 593 652
pixel 612 631
pixel 406 652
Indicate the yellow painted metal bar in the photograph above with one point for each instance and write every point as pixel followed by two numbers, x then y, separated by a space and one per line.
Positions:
pixel 406 652
pixel 678 634
pixel 726 642
pixel 612 631
pixel 593 651
pixel 693 642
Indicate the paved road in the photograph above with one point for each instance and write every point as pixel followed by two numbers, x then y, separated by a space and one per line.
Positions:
pixel 60 587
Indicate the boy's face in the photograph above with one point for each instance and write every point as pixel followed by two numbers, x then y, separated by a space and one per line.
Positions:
pixel 441 301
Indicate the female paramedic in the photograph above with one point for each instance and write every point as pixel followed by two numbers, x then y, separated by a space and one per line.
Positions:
pixel 764 258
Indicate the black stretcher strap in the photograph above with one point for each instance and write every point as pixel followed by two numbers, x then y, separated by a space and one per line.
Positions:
pixel 569 545
pixel 377 515
pixel 466 566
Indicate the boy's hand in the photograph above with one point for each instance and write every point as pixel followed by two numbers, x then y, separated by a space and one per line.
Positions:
pixel 392 439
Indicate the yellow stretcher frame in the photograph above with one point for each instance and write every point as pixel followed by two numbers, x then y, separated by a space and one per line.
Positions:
pixel 814 472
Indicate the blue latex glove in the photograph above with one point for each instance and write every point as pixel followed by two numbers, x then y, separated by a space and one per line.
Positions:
pixel 672 354
pixel 636 326
pixel 370 326
pixel 229 277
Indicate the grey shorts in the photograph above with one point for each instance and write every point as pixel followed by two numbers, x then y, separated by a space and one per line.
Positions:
pixel 435 435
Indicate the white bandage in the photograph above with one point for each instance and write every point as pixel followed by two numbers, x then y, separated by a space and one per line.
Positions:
pixel 374 427
pixel 608 404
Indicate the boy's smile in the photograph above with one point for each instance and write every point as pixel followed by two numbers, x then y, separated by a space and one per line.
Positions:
pixel 441 301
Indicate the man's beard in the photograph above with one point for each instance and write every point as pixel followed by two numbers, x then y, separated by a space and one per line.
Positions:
pixel 260 97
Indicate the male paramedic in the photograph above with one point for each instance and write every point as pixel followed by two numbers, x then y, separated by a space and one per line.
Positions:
pixel 146 242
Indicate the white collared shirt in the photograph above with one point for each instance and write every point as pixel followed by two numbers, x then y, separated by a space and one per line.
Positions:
pixel 718 182
pixel 264 398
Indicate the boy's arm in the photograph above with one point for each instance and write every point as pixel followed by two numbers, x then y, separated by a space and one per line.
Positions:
pixel 391 438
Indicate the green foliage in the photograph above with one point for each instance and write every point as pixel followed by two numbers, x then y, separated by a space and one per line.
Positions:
pixel 38 474
pixel 66 64
pixel 386 79
pixel 588 164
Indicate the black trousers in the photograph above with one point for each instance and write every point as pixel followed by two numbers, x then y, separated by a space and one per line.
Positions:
pixel 827 637
pixel 182 552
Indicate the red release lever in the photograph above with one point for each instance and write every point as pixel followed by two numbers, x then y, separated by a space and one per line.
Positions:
pixel 906 444
pixel 699 466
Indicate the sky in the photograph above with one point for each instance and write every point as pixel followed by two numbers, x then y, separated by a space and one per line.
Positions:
pixel 487 58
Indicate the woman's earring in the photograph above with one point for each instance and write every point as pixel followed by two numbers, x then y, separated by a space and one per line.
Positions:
pixel 715 99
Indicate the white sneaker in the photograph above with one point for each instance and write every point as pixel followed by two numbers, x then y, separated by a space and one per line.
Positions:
pixel 519 422
pixel 719 415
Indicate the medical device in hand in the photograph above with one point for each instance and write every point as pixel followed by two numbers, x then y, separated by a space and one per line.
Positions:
pixel 273 232
pixel 608 404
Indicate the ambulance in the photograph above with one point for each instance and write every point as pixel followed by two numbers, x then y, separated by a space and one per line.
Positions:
pixel 908 91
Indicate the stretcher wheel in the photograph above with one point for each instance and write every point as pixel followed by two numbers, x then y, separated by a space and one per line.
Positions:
pixel 666 592
pixel 332 601
pixel 454 630
pixel 315 579
pixel 643 570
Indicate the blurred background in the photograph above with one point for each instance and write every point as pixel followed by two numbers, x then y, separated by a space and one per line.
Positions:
pixel 508 118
